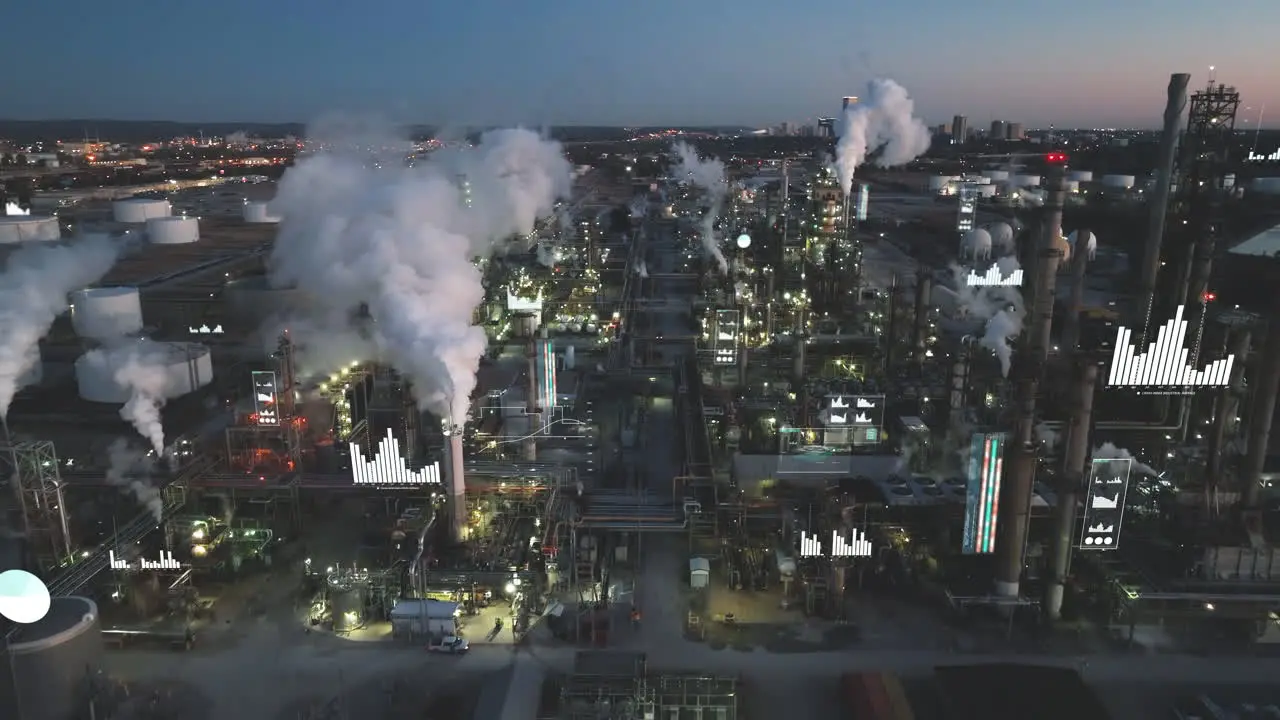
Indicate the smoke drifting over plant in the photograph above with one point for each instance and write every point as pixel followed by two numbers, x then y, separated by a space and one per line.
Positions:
pixel 130 469
pixel 33 293
pixel 365 235
pixel 1108 451
pixel 141 366
pixel 708 176
pixel 882 121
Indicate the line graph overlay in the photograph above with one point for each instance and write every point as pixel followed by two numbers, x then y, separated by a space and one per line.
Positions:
pixel 1164 364
pixel 994 278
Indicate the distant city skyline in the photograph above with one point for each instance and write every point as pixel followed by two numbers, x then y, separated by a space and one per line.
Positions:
pixel 661 63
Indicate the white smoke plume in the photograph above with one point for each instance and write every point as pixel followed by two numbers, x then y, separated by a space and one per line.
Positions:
pixel 1048 436
pixel 638 207
pixel 1108 451
pixel 708 176
pixel 141 367
pixel 884 120
pixel 400 242
pixel 238 137
pixel 131 469
pixel 642 269
pixel 982 302
pixel 33 293
pixel 546 254
pixel 323 343
pixel 1004 326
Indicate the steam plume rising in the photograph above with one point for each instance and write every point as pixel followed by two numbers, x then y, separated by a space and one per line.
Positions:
pixel 708 176
pixel 33 293
pixel 1001 328
pixel 1108 451
pixel 140 367
pixel 882 121
pixel 130 469
pixel 398 242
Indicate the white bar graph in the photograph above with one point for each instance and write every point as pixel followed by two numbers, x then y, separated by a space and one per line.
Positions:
pixel 857 546
pixel 993 278
pixel 388 467
pixel 1164 364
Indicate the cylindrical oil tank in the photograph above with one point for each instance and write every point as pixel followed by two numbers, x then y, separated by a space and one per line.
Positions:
pixel 997 175
pixel 347 606
pixel 259 212
pixel 252 300
pixel 1080 176
pixel 102 374
pixel 106 312
pixel 1265 185
pixel 525 324
pixel 1121 182
pixel 51 663
pixel 987 191
pixel 938 183
pixel 140 210
pixel 1026 180
pixel 28 228
pixel 173 230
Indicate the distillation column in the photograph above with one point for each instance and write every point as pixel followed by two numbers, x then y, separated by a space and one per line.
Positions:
pixel 920 327
pixel 1017 486
pixel 529 443
pixel 455 471
pixel 1079 262
pixel 1227 405
pixel 1261 411
pixel 1074 476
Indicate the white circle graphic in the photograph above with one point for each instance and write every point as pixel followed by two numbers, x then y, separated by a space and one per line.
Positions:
pixel 24 598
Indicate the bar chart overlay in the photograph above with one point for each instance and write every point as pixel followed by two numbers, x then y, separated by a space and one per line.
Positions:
pixel 388 466
pixel 856 546
pixel 994 278
pixel 1164 364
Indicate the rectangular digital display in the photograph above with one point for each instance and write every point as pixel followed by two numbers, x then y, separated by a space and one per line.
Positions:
pixel 854 411
pixel 982 501
pixel 546 367
pixel 724 338
pixel 265 397
pixel 1104 503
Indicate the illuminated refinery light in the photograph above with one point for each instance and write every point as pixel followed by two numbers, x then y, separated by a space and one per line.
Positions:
pixel 388 467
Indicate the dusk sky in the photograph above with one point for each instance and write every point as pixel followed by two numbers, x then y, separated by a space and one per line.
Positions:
pixel 1087 63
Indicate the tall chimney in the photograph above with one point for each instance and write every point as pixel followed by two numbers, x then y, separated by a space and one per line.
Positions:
pixel 1262 409
pixel 1019 481
pixel 455 470
pixel 1227 405
pixel 1159 200
pixel 744 359
pixel 1079 262
pixel 1074 475
pixel 920 329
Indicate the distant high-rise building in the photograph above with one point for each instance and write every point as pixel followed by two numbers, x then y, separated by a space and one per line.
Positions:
pixel 848 100
pixel 826 127
pixel 1016 131
pixel 999 130
pixel 959 129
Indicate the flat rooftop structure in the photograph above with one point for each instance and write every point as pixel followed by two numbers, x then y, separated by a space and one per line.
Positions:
pixel 1264 244
pixel 1247 273
pixel 1009 690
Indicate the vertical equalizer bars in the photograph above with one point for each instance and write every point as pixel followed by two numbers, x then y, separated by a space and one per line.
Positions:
pixel 388 468
pixel 993 278
pixel 1165 361
pixel 856 546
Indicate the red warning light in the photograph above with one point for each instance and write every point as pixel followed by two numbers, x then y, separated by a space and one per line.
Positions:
pixel 1056 158
pixel 1210 297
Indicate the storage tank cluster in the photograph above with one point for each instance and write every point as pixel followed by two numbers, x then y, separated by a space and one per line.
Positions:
pixel 1119 182
pixel 259 212
pixel 136 211
pixel 16 229
pixel 50 662
pixel 173 230
pixel 106 312
pixel 187 367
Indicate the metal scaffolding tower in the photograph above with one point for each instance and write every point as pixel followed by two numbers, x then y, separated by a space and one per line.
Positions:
pixel 32 467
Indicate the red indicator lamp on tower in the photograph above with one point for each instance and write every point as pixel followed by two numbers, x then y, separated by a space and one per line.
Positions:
pixel 1056 158
pixel 1208 297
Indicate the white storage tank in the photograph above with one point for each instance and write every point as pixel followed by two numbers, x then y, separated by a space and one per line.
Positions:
pixel 28 228
pixel 997 175
pixel 173 230
pixel 140 210
pixel 1265 185
pixel 1080 176
pixel 252 300
pixel 1026 180
pixel 259 212
pixel 938 183
pixel 186 367
pixel 106 312
pixel 1121 182
pixel 51 661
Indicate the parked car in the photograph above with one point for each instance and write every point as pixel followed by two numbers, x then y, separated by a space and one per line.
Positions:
pixel 449 645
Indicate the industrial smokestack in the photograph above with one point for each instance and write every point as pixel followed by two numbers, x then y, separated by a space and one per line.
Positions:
pixel 920 329
pixel 1261 411
pixel 1074 475
pixel 455 467
pixel 798 360
pixel 1016 490
pixel 1159 207
pixel 744 359
pixel 1079 262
